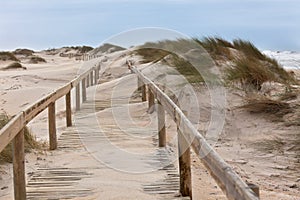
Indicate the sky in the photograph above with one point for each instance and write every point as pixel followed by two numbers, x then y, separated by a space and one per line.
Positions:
pixel 44 24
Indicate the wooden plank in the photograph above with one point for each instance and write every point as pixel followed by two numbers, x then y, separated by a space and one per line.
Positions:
pixel 33 110
pixel 231 184
pixel 77 97
pixel 97 68
pixel 62 91
pixel 19 166
pixel 162 138
pixel 68 109
pixel 52 126
pixel 11 129
pixel 83 87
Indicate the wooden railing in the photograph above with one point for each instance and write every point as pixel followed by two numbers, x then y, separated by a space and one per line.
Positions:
pixel 231 184
pixel 14 130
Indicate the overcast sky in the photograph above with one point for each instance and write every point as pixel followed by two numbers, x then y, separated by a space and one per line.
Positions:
pixel 43 24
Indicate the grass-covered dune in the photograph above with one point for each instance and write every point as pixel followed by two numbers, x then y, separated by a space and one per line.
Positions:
pixel 240 61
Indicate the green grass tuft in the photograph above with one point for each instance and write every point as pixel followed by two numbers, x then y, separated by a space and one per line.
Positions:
pixel 249 72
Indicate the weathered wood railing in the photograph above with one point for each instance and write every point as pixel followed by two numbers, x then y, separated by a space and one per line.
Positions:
pixel 14 130
pixel 231 184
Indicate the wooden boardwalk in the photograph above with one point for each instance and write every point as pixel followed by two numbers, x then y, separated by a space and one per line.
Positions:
pixel 90 145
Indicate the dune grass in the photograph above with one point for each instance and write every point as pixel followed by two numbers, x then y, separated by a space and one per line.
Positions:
pixel 30 141
pixel 275 109
pixel 8 56
pixel 14 65
pixel 36 60
pixel 218 48
pixel 184 67
pixel 249 67
pixel 249 72
pixel 26 52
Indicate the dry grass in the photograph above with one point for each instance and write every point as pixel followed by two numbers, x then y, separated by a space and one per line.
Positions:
pixel 166 52
pixel 26 52
pixel 14 65
pixel 152 55
pixel 288 96
pixel 249 72
pixel 275 109
pixel 275 144
pixel 248 49
pixel 36 60
pixel 218 48
pixel 250 67
pixel 110 48
pixel 30 141
pixel 8 56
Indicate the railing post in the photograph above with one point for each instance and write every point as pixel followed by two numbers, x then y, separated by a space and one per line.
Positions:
pixel 88 80
pixel 78 97
pixel 142 89
pixel 161 125
pixel 19 166
pixel 150 101
pixel 92 80
pixel 184 164
pixel 254 188
pixel 83 87
pixel 96 74
pixel 52 126
pixel 68 109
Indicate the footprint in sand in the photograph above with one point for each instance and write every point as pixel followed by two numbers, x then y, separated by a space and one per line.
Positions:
pixel 14 87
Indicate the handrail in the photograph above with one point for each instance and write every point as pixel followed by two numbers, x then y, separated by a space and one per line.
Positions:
pixel 14 129
pixel 231 184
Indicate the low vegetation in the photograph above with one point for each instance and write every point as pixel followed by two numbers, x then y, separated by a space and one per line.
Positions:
pixel 242 63
pixel 25 52
pixel 8 56
pixel 30 141
pixel 80 49
pixel 261 104
pixel 107 48
pixel 36 59
pixel 14 65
